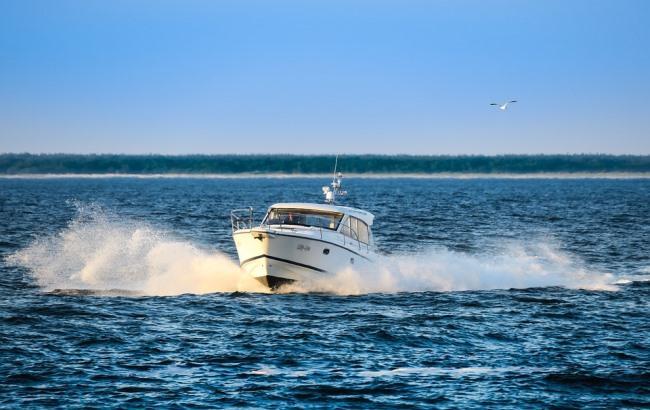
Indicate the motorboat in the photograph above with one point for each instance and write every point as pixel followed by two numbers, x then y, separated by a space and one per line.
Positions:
pixel 303 241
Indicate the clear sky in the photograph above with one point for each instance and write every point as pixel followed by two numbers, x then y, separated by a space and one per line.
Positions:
pixel 417 77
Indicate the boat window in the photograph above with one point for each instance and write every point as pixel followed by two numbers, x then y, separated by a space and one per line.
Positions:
pixel 303 217
pixel 345 229
pixel 362 230
pixel 356 229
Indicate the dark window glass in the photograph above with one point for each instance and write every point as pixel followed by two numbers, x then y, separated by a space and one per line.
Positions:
pixel 303 217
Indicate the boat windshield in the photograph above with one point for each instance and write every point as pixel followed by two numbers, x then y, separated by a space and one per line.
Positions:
pixel 303 217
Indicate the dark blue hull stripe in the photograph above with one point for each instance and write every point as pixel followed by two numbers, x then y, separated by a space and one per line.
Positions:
pixel 282 260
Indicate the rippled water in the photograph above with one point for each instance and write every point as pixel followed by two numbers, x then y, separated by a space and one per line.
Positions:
pixel 490 293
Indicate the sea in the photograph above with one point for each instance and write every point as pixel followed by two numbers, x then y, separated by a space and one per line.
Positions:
pixel 490 292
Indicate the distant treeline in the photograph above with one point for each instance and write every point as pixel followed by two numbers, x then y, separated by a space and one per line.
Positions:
pixel 316 164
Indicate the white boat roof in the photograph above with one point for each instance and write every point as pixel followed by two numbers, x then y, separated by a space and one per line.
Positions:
pixel 365 216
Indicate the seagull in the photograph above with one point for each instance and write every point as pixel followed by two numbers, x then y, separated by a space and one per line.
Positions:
pixel 504 106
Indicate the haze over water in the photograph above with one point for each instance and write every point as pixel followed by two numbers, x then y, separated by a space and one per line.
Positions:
pixel 490 293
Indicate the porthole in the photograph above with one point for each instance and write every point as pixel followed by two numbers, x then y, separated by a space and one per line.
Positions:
pixel 326 251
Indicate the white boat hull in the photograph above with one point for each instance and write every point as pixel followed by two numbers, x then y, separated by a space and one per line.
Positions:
pixel 276 257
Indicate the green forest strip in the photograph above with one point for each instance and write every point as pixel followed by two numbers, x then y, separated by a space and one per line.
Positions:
pixel 17 164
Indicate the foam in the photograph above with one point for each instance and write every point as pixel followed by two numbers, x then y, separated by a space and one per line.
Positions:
pixel 102 252
pixel 453 372
pixel 515 266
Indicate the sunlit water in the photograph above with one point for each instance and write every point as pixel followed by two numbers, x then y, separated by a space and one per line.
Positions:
pixel 488 293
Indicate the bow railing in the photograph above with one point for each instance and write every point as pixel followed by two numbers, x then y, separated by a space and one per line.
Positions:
pixel 241 218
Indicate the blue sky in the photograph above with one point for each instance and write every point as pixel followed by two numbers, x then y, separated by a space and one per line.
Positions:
pixel 386 77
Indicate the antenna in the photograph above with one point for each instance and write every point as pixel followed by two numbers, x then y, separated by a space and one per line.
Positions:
pixel 330 194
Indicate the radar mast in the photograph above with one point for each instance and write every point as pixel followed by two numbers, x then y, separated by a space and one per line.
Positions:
pixel 335 190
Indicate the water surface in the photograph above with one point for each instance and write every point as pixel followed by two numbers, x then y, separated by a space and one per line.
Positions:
pixel 491 293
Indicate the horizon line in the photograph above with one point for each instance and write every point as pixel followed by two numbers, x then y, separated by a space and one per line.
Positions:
pixel 357 175
pixel 331 154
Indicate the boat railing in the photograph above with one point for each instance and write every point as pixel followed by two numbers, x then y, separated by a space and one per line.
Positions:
pixel 241 218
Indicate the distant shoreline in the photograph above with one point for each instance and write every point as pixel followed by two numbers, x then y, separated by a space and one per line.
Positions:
pixel 539 175
pixel 415 166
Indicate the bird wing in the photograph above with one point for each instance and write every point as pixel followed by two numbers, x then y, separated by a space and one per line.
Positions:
pixel 512 101
pixel 494 104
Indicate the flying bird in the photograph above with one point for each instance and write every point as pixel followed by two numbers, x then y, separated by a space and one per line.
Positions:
pixel 504 106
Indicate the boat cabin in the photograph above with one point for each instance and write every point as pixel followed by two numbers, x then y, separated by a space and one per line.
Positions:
pixel 351 222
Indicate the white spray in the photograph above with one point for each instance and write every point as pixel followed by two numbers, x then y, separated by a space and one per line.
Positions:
pixel 101 252
pixel 516 266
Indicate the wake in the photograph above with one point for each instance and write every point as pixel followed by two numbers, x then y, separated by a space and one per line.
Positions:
pixel 99 253
pixel 516 266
